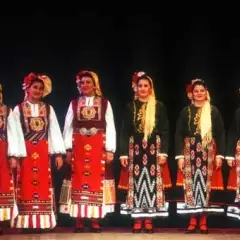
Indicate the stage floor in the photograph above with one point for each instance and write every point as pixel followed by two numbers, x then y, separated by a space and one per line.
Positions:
pixel 120 233
pixel 117 236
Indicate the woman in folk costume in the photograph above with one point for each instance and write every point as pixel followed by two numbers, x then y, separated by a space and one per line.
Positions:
pixel 233 161
pixel 200 145
pixel 90 141
pixel 143 156
pixel 43 141
pixel 9 154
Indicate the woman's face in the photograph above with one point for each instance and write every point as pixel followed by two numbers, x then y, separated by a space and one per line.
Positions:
pixel 35 91
pixel 199 93
pixel 87 86
pixel 144 88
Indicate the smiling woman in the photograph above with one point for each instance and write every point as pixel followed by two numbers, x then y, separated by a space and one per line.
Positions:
pixel 200 146
pixel 87 85
pixel 35 90
pixel 90 140
pixel 9 154
pixel 40 135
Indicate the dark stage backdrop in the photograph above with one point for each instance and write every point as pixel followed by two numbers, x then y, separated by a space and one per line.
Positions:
pixel 172 50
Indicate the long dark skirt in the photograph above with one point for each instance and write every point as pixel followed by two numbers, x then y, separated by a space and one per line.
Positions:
pixel 146 193
pixel 233 187
pixel 200 179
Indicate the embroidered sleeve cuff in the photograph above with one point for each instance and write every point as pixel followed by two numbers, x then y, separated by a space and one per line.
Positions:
pixel 110 150
pixel 229 158
pixel 220 156
pixel 121 157
pixel 162 154
pixel 179 156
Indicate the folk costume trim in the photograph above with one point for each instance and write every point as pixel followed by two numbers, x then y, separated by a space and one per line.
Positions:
pixel 35 128
pixel 4 111
pixel 91 192
pixel 8 207
pixel 205 124
pixel 90 113
pixel 151 104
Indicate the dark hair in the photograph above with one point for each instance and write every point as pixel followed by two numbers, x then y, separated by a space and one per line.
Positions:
pixel 199 82
pixel 36 80
pixel 145 77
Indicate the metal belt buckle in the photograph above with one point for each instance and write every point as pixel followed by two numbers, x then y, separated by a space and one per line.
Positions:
pixel 93 131
pixel 83 131
pixel 88 132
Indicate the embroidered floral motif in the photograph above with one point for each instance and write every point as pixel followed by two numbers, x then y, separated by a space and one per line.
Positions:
pixel 197 121
pixel 3 119
pixel 144 144
pixel 145 159
pixel 192 140
pixel 152 170
pixel 198 162
pixel 199 147
pixel 204 170
pixel 88 113
pixel 152 149
pixel 136 170
pixel 192 154
pixel 204 156
pixel 93 112
pixel 136 149
pixel 36 124
pixel 139 118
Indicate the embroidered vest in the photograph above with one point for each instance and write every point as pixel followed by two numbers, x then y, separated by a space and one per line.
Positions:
pixel 34 128
pixel 89 116
pixel 4 112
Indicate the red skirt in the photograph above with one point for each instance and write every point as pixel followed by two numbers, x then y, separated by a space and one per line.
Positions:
pixel 217 179
pixel 92 183
pixel 234 173
pixel 7 194
pixel 35 194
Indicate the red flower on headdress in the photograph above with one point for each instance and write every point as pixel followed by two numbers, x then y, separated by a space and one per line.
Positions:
pixel 28 79
pixel 189 87
pixel 81 74
pixel 135 77
pixel 189 90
